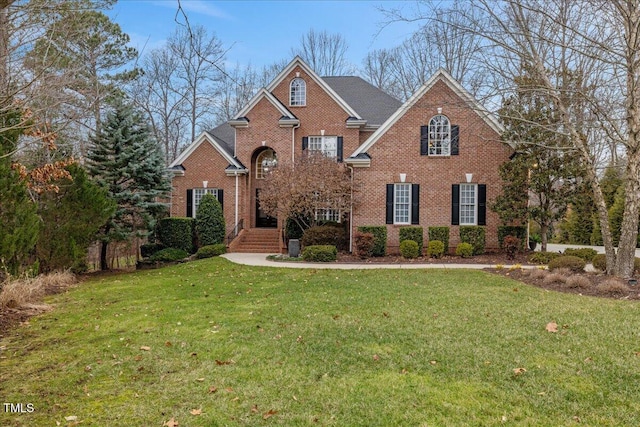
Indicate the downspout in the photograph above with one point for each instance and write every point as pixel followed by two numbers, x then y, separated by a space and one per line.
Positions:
pixel 293 143
pixel 351 213
pixel 236 206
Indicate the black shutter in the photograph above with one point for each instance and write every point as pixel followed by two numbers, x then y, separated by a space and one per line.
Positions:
pixel 389 219
pixel 482 204
pixel 455 204
pixel 305 142
pixel 340 144
pixel 415 203
pixel 189 203
pixel 221 197
pixel 424 140
pixel 455 140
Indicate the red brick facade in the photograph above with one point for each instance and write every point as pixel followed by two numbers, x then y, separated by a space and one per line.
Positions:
pixel 394 149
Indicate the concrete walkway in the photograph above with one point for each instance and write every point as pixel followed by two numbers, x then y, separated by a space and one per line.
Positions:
pixel 261 260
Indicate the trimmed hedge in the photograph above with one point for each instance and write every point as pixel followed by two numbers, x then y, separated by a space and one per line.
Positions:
pixel 465 250
pixel 519 231
pixel 149 249
pixel 364 243
pixel 320 253
pixel 379 236
pixel 543 257
pixel 210 226
pixel 586 254
pixel 441 234
pixel 169 255
pixel 573 263
pixel 412 233
pixel 211 251
pixel 409 249
pixel 326 235
pixel 474 234
pixel 175 232
pixel 435 248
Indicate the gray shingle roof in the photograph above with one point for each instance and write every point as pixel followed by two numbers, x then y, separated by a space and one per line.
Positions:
pixel 373 105
pixel 225 136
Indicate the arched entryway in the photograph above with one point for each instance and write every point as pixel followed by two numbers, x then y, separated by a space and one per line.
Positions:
pixel 264 159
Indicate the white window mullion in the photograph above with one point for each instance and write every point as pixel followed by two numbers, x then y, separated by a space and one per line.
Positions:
pixel 402 203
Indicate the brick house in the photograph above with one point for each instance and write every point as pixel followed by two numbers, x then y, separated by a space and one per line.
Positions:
pixel 432 161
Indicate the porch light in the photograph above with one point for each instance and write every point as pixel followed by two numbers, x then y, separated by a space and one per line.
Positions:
pixel 469 177
pixel 403 177
pixel 205 183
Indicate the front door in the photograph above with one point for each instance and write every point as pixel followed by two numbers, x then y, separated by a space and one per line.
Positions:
pixel 263 220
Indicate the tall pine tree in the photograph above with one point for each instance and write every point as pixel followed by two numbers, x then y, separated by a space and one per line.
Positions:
pixel 124 159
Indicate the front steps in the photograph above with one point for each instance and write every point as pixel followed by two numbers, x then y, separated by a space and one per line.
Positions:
pixel 258 240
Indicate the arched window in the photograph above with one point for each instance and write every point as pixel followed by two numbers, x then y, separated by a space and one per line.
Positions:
pixel 439 136
pixel 298 93
pixel 265 162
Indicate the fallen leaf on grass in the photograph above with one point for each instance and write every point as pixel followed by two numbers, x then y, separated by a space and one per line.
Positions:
pixel 270 413
pixel 200 380
pixel 552 327
pixel 71 418
pixel 145 348
pixel 171 423
pixel 196 412
pixel 254 409
pixel 519 371
pixel 213 389
pixel 376 357
pixel 224 362
pixel 168 344
pixel 137 358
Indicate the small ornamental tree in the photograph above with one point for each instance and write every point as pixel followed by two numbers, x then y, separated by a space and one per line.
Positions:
pixel 210 224
pixel 295 191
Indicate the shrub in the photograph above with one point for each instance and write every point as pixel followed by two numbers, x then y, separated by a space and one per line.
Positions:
pixel 435 248
pixel 578 282
pixel 543 257
pixel 320 253
pixel 210 225
pixel 364 243
pixel 465 250
pixel 573 263
pixel 511 245
pixel 475 235
pixel 586 254
pixel 441 234
pixel 552 278
pixel 409 249
pixel 537 274
pixel 149 249
pixel 176 233
pixel 379 238
pixel 600 262
pixel 211 251
pixel 326 235
pixel 412 233
pixel 169 255
pixel 519 231
pixel 613 286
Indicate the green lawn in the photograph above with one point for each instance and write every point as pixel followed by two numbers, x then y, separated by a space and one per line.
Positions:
pixel 270 346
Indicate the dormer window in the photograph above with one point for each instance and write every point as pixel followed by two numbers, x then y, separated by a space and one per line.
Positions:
pixel 439 136
pixel 298 93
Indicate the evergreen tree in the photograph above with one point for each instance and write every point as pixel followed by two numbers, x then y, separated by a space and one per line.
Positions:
pixel 71 219
pixel 124 159
pixel 19 223
pixel 580 218
pixel 210 224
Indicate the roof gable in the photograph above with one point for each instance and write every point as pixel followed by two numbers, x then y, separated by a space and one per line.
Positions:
pixel 298 62
pixel 265 94
pixel 219 145
pixel 440 75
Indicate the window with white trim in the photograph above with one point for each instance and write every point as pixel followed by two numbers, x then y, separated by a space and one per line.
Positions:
pixel 439 136
pixel 328 215
pixel 265 161
pixel 298 93
pixel 198 194
pixel 402 204
pixel 327 145
pixel 468 204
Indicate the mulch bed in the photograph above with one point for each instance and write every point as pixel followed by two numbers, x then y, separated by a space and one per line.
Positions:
pixel 491 258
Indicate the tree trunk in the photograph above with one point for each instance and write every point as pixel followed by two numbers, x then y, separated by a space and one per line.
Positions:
pixel 103 256
pixel 4 49
pixel 543 237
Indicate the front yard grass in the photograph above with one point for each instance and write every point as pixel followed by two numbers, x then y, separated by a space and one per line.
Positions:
pixel 211 343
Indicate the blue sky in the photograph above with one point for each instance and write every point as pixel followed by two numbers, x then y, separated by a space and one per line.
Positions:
pixel 262 32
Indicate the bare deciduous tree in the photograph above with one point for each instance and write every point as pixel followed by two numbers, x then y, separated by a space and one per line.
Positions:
pixel 294 191
pixel 325 53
